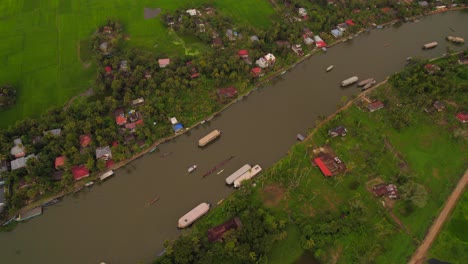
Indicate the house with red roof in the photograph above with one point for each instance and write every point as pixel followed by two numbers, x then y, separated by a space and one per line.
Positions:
pixel 321 164
pixel 164 62
pixel 108 69
pixel 79 172
pixel 374 106
pixel 85 140
pixel 256 72
pixel 462 116
pixel 350 22
pixel 59 162
pixel 243 53
pixel 217 233
pixel 228 92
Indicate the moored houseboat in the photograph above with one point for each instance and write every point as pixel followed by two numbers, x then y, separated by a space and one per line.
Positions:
pixel 366 81
pixel 456 39
pixel 368 85
pixel 349 81
pixel 208 138
pixel 248 175
pixel 193 215
pixel 230 180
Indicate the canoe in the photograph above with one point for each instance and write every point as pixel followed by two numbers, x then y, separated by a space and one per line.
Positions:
pixel 329 68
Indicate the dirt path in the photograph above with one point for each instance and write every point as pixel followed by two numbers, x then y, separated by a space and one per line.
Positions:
pixel 420 254
pixel 87 93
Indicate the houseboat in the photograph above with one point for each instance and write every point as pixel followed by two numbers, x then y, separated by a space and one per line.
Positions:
pixel 366 81
pixel 430 45
pixel 248 175
pixel 208 138
pixel 368 85
pixel 29 214
pixel 456 39
pixel 230 180
pixel 193 215
pixel 106 175
pixel 349 81
pixel 329 68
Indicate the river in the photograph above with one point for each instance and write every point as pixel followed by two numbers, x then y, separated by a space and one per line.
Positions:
pixel 111 222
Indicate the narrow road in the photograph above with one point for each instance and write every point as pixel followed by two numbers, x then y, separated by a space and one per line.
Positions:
pixel 420 254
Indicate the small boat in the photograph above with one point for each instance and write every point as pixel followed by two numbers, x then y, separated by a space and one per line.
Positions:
pixel 300 137
pixel 152 201
pixel 324 49
pixel 283 72
pixel 379 27
pixel 219 172
pixel 89 183
pixel 153 149
pixel 386 44
pixel 192 168
pixel 329 68
pixel 166 154
pixel 368 85
pixel 409 58
pixel 366 81
pixel 51 202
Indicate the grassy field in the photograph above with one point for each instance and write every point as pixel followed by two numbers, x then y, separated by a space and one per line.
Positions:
pixel 452 243
pixel 45 44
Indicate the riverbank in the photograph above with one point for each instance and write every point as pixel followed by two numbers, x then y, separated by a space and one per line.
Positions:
pixel 140 154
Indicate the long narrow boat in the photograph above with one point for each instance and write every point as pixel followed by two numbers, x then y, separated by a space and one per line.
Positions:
pixel 51 202
pixel 329 68
pixel 222 163
pixel 364 82
pixel 193 215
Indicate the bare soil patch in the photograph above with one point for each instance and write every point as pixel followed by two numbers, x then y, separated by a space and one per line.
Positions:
pixel 151 12
pixel 273 194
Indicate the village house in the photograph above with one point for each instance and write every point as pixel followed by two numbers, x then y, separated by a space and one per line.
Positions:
pixel 176 125
pixel 36 140
pixel 120 118
pixel 3 167
pixel 53 132
pixel 217 233
pixel 244 55
pixel 123 65
pixel 193 12
pixel 233 35
pixel 308 33
pixel 18 150
pixel 217 42
pixel 350 22
pixel 135 119
pixel 342 27
pixel 138 101
pixel 256 72
pixel 374 106
pixel 104 153
pixel 59 162
pixel 337 131
pixel 439 106
pixel 192 70
pixel 266 61
pixel 336 33
pixel 79 172
pixel 329 165
pixel 85 140
pixel 297 48
pixel 209 11
pixel 254 38
pixel 21 162
pixel 104 47
pixel 228 92
pixel 431 68
pixel 308 41
pixel 170 22
pixel 302 13
pixel 388 190
pixel 423 3
pixel 107 30
pixel 108 70
pixel 200 25
pixel 462 116
pixel 164 62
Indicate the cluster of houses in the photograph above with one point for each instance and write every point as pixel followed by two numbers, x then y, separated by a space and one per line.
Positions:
pixel 262 63
pixel 341 28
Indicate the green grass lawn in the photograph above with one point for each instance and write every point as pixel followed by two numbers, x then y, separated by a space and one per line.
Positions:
pixel 45 53
pixel 452 243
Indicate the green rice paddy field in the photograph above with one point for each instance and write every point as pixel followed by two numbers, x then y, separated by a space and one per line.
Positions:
pixel 44 50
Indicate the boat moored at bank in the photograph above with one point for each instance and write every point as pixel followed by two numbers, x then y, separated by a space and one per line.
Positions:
pixel 208 138
pixel 248 175
pixel 366 81
pixel 456 39
pixel 349 81
pixel 193 215
pixel 106 175
pixel 230 180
